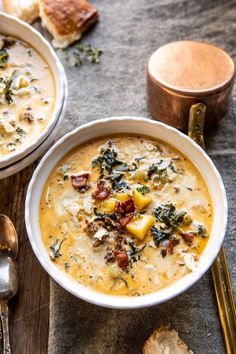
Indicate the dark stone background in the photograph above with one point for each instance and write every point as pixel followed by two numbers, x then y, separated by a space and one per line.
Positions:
pixel 128 33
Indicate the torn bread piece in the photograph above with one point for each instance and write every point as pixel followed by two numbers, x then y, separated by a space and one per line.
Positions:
pixel 26 10
pixel 66 20
pixel 165 341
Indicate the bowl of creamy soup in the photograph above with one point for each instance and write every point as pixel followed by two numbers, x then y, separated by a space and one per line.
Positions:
pixel 32 89
pixel 123 219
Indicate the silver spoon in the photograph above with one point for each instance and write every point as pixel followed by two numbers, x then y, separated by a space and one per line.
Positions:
pixel 8 276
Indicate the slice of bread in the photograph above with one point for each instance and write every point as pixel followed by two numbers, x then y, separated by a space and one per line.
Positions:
pixel 26 10
pixel 66 20
pixel 165 341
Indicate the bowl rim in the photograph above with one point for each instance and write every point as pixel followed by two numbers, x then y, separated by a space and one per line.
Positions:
pixel 111 301
pixel 9 159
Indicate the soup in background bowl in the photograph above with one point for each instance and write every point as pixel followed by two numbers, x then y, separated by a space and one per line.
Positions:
pixel 32 89
pixel 126 220
pixel 27 94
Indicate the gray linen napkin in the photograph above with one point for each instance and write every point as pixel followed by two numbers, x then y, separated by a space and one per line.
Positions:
pixel 129 31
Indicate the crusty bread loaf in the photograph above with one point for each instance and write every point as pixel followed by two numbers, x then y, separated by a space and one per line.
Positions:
pixel 66 20
pixel 26 10
pixel 165 341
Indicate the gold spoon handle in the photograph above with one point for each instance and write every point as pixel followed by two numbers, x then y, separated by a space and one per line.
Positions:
pixel 220 270
pixel 5 327
pixel 225 300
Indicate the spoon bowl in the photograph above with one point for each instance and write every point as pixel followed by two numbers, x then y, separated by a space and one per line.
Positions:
pixel 8 278
pixel 8 236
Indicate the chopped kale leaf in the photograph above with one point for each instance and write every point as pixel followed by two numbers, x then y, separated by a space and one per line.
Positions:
pixel 4 55
pixel 20 131
pixel 161 169
pixel 167 214
pixel 6 90
pixel 104 215
pixel 106 161
pixel 117 183
pixel 135 253
pixel 55 249
pixel 159 235
pixel 200 231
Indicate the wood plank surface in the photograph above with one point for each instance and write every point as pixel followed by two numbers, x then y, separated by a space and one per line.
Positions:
pixel 29 310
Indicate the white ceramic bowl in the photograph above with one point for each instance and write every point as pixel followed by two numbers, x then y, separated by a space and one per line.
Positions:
pixel 153 129
pixel 14 27
pixel 27 160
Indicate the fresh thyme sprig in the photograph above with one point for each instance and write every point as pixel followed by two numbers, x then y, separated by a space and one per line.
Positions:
pixel 80 54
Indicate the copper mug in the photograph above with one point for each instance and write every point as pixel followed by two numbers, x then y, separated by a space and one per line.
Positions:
pixel 185 73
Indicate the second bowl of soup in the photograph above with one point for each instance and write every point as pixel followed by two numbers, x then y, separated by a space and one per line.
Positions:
pixel 32 89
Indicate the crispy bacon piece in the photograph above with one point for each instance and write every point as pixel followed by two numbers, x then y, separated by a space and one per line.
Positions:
pixel 125 219
pixel 102 192
pixel 188 238
pixel 122 259
pixel 126 207
pixel 80 182
pixel 171 244
pixel 125 211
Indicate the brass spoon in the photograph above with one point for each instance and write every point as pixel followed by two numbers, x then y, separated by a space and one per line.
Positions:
pixel 8 276
pixel 220 270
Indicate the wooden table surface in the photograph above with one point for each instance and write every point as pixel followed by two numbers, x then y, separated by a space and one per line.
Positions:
pixel 29 310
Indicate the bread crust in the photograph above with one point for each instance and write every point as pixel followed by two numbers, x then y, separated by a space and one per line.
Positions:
pixel 164 340
pixel 26 10
pixel 67 19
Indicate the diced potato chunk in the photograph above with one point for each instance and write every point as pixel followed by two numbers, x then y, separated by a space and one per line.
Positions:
pixel 140 225
pixel 139 175
pixel 141 200
pixel 122 197
pixel 107 206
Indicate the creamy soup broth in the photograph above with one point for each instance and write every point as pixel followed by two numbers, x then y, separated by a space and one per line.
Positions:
pixel 27 94
pixel 125 215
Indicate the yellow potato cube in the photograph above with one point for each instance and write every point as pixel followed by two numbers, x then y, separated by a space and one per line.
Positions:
pixel 140 225
pixel 141 200
pixel 122 197
pixel 107 206
pixel 139 175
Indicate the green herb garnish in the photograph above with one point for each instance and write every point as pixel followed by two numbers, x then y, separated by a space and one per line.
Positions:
pixel 79 54
pixel 143 189
pixel 7 92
